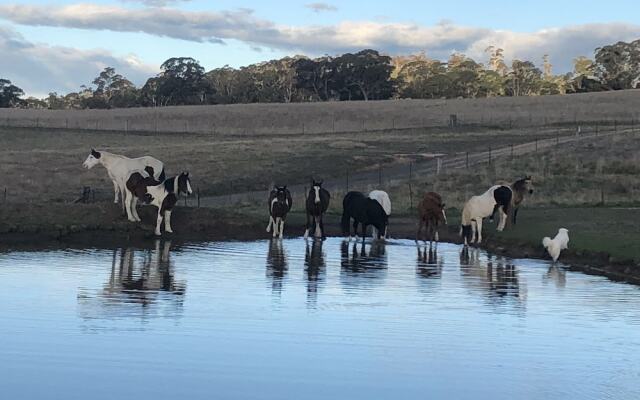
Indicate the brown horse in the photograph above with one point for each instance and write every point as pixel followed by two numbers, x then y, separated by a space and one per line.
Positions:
pixel 431 214
pixel 520 189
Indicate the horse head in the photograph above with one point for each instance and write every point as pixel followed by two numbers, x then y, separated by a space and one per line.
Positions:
pixel 184 184
pixel 316 186
pixel 281 194
pixel 92 159
pixel 524 185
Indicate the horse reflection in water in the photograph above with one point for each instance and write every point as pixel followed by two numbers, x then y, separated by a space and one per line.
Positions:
pixel 276 266
pixel 362 270
pixel 315 268
pixel 428 265
pixel 145 288
pixel 497 280
pixel 556 275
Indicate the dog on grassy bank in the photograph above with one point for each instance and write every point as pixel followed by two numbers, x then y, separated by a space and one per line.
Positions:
pixel 557 244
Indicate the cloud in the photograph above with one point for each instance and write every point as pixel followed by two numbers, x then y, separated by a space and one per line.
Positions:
pixel 156 3
pixel 321 7
pixel 438 41
pixel 39 68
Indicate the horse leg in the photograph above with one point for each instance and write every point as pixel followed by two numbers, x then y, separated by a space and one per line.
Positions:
pixel 116 190
pixel 127 206
pixel 306 231
pixel 270 224
pixel 134 208
pixel 479 230
pixel 167 221
pixel 420 226
pixel 321 227
pixel 276 226
pixel 503 219
pixel 158 223
pixel 281 227
pixel 355 229
pixel 364 233
pixel 436 235
pixel 515 214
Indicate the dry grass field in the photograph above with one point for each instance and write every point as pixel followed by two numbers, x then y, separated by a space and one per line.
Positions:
pixel 312 118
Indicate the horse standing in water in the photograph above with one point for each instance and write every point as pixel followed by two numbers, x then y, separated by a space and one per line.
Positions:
pixel 381 197
pixel 520 189
pixel 163 195
pixel 280 203
pixel 497 198
pixel 431 213
pixel 364 211
pixel 316 205
pixel 120 168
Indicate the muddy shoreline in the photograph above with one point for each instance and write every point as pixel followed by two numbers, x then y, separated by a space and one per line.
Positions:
pixel 38 227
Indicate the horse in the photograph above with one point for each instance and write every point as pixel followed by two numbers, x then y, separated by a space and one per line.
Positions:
pixel 520 189
pixel 120 167
pixel 316 205
pixel 364 211
pixel 383 198
pixel 431 213
pixel 280 203
pixel 164 196
pixel 497 198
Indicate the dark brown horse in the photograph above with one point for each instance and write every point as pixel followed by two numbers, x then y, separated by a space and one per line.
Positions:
pixel 431 213
pixel 316 205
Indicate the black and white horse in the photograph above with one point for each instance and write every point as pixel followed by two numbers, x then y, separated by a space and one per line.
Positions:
pixel 497 198
pixel 163 195
pixel 316 205
pixel 365 211
pixel 280 203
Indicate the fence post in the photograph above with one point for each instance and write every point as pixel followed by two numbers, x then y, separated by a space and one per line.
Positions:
pixel 5 194
pixel 410 169
pixel 467 159
pixel 602 196
pixel 438 165
pixel 512 151
pixel 198 194
pixel 410 196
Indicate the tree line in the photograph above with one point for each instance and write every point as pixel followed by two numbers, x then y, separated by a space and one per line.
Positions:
pixel 365 75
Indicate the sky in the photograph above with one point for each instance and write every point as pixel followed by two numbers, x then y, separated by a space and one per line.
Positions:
pixel 59 45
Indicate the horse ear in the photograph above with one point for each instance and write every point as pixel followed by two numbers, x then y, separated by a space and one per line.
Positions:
pixel 284 187
pixel 321 182
pixel 443 205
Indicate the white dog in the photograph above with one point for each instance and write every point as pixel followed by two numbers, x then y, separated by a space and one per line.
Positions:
pixel 559 243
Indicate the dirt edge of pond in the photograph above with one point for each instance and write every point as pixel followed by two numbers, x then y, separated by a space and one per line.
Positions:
pixel 37 226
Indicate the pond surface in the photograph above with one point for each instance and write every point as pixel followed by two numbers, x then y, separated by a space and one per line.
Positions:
pixel 286 319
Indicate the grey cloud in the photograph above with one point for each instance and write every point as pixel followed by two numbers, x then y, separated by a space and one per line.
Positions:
pixel 438 41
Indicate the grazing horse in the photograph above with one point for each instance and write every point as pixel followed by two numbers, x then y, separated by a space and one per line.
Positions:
pixel 520 189
pixel 364 211
pixel 383 198
pixel 280 203
pixel 431 213
pixel 316 205
pixel 497 198
pixel 163 195
pixel 120 168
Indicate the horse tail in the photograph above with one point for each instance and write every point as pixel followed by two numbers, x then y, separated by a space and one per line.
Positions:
pixel 344 222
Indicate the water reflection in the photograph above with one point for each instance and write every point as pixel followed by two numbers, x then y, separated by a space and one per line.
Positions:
pixel 276 266
pixel 137 286
pixel 428 265
pixel 497 279
pixel 315 268
pixel 556 275
pixel 359 269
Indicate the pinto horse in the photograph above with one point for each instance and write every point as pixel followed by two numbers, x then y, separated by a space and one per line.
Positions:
pixel 120 168
pixel 383 198
pixel 364 211
pixel 497 198
pixel 316 205
pixel 280 203
pixel 431 213
pixel 163 196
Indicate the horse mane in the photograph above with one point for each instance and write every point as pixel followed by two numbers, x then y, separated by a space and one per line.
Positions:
pixel 169 184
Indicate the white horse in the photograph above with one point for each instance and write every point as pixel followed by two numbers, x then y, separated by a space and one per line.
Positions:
pixel 120 168
pixel 497 198
pixel 383 198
